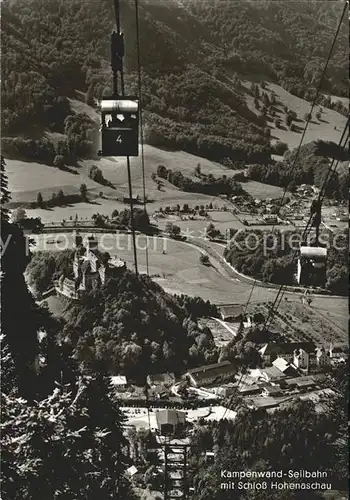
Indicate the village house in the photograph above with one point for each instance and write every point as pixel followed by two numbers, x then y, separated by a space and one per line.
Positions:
pixel 301 360
pixel 235 314
pixel 321 357
pixel 271 374
pixel 160 392
pixel 225 390
pixel 285 367
pixel 119 383
pixel 337 352
pixel 208 374
pixel 289 351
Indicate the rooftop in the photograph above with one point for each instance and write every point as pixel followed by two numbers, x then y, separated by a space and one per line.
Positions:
pixel 118 380
pixel 313 252
pixel 286 348
pixel 216 369
pixel 248 388
pixel 272 391
pixel 281 364
pixel 273 373
pixel 233 310
pixel 160 378
pixel 302 381
pixel 172 417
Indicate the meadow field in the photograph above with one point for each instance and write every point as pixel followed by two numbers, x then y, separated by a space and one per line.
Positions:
pixel 329 127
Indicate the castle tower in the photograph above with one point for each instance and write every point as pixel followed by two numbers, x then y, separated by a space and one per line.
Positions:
pixel 78 240
pixel 92 243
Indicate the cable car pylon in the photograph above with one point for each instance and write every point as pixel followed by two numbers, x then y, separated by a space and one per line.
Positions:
pixel 120 118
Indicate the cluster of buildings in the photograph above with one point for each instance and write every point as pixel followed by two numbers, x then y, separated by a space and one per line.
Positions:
pixel 289 369
pixel 286 367
pixel 90 269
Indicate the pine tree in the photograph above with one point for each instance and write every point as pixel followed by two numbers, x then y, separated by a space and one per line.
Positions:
pixel 19 314
pixel 70 444
pixel 39 199
pixel 5 193
pixel 60 196
pixel 89 99
pixel 83 192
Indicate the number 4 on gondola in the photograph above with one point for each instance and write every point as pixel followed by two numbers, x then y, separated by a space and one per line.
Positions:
pixel 119 126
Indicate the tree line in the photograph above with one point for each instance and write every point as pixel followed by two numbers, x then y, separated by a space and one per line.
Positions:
pixel 311 167
pixel 207 184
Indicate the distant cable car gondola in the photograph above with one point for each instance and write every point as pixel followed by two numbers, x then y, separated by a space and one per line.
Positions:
pixel 312 266
pixel 119 126
pixel 313 257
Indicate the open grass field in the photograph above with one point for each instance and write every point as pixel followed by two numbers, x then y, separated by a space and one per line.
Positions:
pixel 222 220
pixel 27 178
pixel 84 211
pixel 196 228
pixel 317 129
pixel 262 191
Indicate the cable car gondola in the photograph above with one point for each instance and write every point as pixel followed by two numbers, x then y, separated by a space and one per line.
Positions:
pixel 312 266
pixel 312 258
pixel 119 126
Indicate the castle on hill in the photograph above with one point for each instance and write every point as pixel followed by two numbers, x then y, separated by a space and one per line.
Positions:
pixel 90 269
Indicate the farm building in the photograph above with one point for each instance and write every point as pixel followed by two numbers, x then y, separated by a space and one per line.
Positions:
pixel 161 392
pixel 234 312
pixel 209 374
pixel 321 357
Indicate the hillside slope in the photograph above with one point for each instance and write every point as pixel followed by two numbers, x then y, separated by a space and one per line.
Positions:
pixel 188 51
pixel 329 126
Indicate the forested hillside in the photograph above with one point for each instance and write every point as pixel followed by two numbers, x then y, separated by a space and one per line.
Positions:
pixel 193 57
pixel 288 42
pixel 311 167
pixel 130 325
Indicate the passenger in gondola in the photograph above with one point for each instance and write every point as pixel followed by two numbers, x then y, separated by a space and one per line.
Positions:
pixel 130 121
pixel 115 121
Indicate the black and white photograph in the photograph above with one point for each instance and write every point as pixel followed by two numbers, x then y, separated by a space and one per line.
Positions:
pixel 174 249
